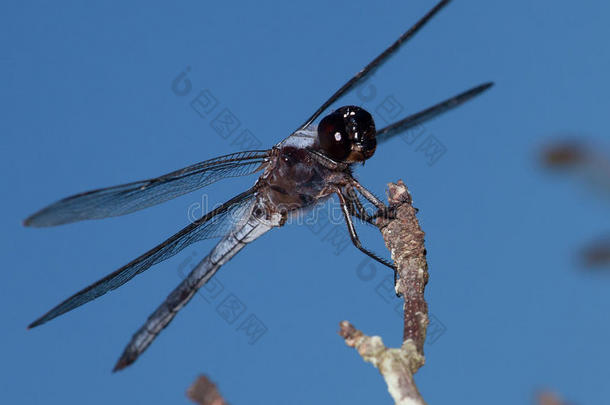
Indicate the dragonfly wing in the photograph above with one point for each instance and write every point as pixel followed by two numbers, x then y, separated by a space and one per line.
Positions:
pixel 216 223
pixel 232 243
pixel 376 63
pixel 130 197
pixel 430 113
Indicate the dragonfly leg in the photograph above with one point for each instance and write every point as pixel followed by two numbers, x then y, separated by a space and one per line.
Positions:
pixel 326 161
pixel 383 211
pixel 351 205
pixel 354 236
pixel 356 208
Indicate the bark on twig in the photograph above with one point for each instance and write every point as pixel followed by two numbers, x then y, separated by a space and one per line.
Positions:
pixel 405 241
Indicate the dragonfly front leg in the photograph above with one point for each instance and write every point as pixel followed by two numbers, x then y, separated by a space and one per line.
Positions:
pixel 356 208
pixel 354 236
pixel 383 211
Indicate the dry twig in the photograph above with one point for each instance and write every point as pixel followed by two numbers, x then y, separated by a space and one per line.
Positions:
pixel 405 241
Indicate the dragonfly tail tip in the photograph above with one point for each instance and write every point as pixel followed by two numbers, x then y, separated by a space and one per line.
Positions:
pixel 121 364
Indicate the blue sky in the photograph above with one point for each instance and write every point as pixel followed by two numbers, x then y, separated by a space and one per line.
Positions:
pixel 87 102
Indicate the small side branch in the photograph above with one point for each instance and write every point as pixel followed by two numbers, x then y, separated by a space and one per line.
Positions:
pixel 405 241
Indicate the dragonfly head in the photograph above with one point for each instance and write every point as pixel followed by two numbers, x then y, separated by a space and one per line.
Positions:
pixel 348 134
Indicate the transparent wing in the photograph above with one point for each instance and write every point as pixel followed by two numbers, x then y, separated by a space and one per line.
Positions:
pixel 130 197
pixel 247 232
pixel 215 223
pixel 377 62
pixel 429 113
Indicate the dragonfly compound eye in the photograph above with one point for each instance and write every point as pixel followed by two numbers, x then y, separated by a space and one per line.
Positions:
pixel 333 137
pixel 348 134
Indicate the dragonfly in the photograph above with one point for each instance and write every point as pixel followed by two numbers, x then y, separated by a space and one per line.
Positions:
pixel 313 164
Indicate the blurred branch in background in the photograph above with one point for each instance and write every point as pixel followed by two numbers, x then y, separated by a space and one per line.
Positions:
pixel 596 255
pixel 564 155
pixel 590 165
pixel 204 392
pixel 405 241
pixel 549 398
